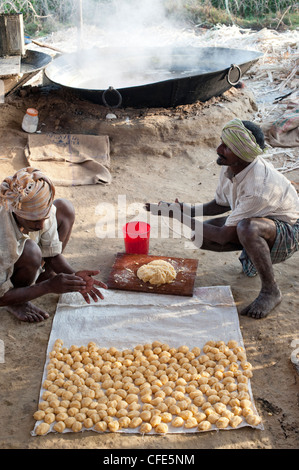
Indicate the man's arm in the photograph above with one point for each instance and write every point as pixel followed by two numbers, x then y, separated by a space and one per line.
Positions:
pixel 221 235
pixel 212 208
pixel 60 265
pixel 66 280
pixel 206 209
pixel 59 284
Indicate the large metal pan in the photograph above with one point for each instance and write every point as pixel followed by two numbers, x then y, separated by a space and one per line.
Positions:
pixel 160 77
pixel 32 63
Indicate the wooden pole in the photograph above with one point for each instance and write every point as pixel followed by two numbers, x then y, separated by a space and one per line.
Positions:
pixel 48 46
pixel 80 21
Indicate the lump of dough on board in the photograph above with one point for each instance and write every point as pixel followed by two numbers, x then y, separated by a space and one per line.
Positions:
pixel 157 272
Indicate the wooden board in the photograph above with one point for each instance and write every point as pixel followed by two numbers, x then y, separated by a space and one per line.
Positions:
pixel 11 34
pixel 10 65
pixel 123 275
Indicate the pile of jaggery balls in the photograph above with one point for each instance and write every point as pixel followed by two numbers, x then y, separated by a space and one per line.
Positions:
pixel 150 388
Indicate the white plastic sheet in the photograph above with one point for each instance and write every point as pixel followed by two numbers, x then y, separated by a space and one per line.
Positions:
pixel 124 319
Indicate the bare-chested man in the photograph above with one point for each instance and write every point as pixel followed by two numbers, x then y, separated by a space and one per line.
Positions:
pixel 264 212
pixel 34 230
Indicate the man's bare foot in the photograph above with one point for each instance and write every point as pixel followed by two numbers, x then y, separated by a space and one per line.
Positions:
pixel 27 312
pixel 263 304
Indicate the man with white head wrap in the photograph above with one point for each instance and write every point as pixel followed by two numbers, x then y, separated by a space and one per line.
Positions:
pixel 264 212
pixel 34 230
pixel 28 193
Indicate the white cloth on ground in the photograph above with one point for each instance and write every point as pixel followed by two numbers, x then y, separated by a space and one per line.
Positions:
pixel 124 319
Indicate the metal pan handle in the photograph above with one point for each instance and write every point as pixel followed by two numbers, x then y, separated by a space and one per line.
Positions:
pixel 111 89
pixel 232 67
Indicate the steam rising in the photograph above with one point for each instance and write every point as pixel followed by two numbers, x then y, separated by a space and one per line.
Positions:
pixel 127 23
pixel 126 43
pixel 135 32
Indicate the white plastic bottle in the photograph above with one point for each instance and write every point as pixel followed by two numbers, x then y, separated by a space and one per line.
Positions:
pixel 30 120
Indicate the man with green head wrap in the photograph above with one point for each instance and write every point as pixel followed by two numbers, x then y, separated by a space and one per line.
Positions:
pixel 263 221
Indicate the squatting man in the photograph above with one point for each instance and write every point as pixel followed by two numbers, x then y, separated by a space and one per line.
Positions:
pixel 263 222
pixel 34 231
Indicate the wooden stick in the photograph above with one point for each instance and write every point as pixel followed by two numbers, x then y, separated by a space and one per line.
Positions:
pixel 80 22
pixel 41 44
pixel 289 7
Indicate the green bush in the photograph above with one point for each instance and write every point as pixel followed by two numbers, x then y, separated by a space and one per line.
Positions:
pixel 43 16
pixel 248 13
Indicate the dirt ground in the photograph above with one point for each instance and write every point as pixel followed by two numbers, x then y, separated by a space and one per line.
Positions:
pixel 157 154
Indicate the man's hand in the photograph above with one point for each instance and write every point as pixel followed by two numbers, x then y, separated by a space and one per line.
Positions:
pixel 62 283
pixel 90 283
pixel 152 207
pixel 166 209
